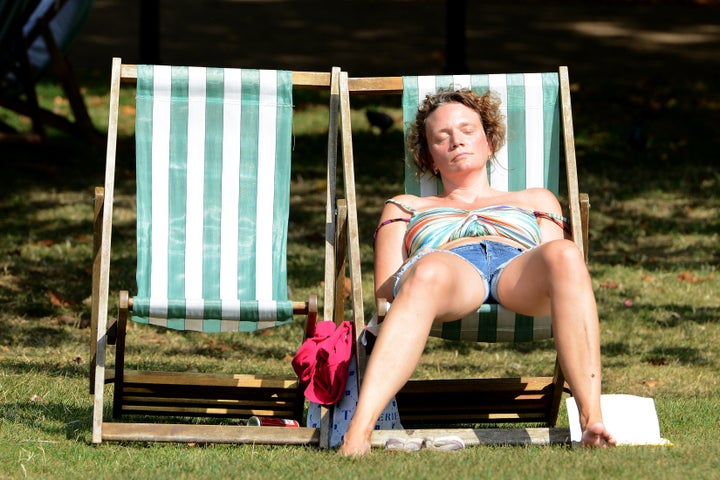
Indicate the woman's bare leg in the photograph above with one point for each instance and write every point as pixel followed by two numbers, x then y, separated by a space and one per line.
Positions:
pixel 430 290
pixel 553 278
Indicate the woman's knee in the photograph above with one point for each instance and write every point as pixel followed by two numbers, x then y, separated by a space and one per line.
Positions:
pixel 427 275
pixel 564 252
pixel 565 260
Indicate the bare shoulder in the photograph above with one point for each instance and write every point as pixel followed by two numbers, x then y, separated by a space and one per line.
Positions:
pixel 400 203
pixel 540 199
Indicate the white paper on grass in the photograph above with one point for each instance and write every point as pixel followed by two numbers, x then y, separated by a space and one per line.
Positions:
pixel 632 420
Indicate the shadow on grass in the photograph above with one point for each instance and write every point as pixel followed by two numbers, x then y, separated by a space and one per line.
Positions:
pixel 50 418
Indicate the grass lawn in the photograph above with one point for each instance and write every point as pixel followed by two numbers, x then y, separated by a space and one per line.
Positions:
pixel 654 259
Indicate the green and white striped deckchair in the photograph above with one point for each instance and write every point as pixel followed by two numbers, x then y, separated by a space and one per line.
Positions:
pixel 539 136
pixel 213 152
pixel 213 200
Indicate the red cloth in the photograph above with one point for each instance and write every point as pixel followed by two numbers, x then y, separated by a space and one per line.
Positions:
pixel 322 362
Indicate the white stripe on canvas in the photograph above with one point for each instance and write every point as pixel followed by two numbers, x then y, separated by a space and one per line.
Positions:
pixel 542 328
pixel 162 79
pixel 469 326
pixel 267 314
pixel 499 171
pixel 505 325
pixel 231 310
pixel 157 312
pixel 266 184
pixel 195 182
pixel 461 81
pixel 534 126
pixel 232 98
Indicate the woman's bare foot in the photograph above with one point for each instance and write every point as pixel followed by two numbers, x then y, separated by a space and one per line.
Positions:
pixel 348 449
pixel 596 435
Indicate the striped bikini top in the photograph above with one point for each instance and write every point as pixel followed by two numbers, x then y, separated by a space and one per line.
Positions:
pixel 437 226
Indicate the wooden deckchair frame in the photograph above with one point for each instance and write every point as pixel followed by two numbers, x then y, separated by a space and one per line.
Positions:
pixel 548 390
pixel 82 125
pixel 105 332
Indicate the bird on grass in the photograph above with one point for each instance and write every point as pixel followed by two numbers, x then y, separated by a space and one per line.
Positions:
pixel 378 119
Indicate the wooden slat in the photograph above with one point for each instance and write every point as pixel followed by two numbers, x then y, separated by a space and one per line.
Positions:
pixel 103 282
pixel 495 400
pixel 419 420
pixel 218 402
pixel 209 379
pixel 170 410
pixel 181 433
pixel 331 245
pixel 570 160
pixel 353 230
pixel 375 85
pixel 504 404
pixel 208 395
pixel 524 384
pixel 479 436
pixel 300 79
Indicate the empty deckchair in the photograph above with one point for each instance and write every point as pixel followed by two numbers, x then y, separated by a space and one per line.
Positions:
pixel 213 150
pixel 35 36
pixel 539 134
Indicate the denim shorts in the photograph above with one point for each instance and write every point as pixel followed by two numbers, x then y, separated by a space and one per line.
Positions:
pixel 489 259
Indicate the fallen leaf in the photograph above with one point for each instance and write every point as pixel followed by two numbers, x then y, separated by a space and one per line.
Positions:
pixel 58 300
pixel 688 276
pixel 609 284
pixel 653 383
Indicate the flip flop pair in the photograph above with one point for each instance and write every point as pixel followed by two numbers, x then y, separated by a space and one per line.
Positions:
pixel 447 444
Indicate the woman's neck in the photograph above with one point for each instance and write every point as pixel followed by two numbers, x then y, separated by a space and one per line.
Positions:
pixel 469 189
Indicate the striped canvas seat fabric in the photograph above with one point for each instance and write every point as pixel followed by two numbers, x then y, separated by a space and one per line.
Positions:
pixel 530 158
pixel 213 172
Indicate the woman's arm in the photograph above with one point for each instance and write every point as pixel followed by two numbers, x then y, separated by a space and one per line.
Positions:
pixel 389 249
pixel 543 200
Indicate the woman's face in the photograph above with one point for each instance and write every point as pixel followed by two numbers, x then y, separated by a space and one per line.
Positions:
pixel 456 139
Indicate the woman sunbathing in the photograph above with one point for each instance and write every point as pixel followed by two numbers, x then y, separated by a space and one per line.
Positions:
pixel 438 258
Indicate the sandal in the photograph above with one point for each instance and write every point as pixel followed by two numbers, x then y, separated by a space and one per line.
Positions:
pixel 404 444
pixel 448 444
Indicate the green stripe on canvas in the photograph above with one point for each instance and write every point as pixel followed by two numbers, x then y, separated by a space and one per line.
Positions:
pixel 524 328
pixel 480 83
pixel 487 323
pixel 282 182
pixel 410 106
pixel 143 159
pixel 248 197
pixel 452 330
pixel 516 131
pixel 177 183
pixel 551 118
pixel 213 182
pixel 443 82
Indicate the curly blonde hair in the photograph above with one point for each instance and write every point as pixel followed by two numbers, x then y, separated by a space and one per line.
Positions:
pixel 486 105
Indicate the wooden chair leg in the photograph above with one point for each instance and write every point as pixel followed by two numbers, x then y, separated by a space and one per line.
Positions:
pixel 585 220
pixel 97 241
pixel 121 325
pixel 558 389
